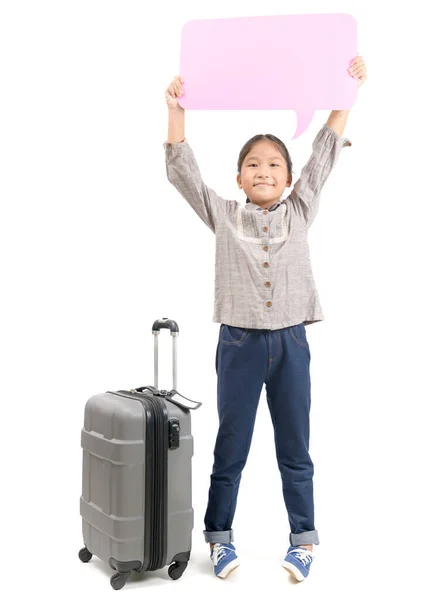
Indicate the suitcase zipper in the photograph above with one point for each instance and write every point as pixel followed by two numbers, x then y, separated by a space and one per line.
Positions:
pixel 156 491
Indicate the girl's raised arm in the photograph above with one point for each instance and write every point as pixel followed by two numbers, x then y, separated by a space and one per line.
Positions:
pixel 326 148
pixel 181 166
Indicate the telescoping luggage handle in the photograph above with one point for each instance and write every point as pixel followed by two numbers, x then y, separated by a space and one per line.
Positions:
pixel 173 327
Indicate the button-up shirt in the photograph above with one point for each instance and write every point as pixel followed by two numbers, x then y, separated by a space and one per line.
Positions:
pixel 263 273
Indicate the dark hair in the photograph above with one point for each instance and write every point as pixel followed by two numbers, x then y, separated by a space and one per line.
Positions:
pixel 247 147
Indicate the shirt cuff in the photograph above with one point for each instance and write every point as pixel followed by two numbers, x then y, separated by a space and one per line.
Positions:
pixel 171 144
pixel 345 141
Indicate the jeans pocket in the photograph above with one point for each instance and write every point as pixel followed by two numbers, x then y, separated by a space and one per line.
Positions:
pixel 298 334
pixel 233 336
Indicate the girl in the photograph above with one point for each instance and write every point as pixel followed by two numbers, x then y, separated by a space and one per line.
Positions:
pixel 265 297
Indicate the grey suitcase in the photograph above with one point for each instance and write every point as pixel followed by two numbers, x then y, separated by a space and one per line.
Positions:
pixel 136 502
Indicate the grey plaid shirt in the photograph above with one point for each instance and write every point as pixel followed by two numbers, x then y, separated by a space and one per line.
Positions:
pixel 263 273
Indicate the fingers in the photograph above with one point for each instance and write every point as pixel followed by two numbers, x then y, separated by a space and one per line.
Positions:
pixel 356 62
pixel 357 67
pixel 357 72
pixel 174 90
pixel 177 85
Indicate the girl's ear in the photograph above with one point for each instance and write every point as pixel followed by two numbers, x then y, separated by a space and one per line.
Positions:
pixel 238 179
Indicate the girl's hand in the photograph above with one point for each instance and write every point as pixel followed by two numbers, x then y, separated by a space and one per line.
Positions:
pixel 173 91
pixel 357 70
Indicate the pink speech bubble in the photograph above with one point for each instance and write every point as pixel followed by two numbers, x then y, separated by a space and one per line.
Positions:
pixel 285 62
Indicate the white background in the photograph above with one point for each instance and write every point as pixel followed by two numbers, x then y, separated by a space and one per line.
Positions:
pixel 96 244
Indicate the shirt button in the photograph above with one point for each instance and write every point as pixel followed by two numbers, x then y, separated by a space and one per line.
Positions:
pixel 266 264
pixel 265 228
pixel 265 212
pixel 267 284
pixel 265 248
pixel 268 304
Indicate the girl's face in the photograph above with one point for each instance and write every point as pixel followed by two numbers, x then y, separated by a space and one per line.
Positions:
pixel 264 174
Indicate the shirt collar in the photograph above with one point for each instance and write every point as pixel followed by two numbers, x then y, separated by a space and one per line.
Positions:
pixel 251 206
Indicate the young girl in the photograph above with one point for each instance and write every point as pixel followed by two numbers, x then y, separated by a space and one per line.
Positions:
pixel 265 296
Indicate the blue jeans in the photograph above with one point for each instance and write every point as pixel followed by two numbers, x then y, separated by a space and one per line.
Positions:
pixel 245 360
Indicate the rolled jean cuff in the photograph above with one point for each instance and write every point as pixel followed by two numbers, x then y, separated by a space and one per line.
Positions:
pixel 306 537
pixel 223 537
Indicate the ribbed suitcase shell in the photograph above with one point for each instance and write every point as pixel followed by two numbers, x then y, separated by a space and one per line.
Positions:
pixel 112 504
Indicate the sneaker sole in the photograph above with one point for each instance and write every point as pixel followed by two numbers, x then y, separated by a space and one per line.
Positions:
pixel 234 564
pixel 293 570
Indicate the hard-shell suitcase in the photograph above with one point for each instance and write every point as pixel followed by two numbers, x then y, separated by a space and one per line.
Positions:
pixel 136 502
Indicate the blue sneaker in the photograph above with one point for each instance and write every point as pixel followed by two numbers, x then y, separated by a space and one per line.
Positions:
pixel 298 562
pixel 224 559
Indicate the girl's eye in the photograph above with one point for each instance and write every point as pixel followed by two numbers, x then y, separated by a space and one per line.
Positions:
pixel 254 164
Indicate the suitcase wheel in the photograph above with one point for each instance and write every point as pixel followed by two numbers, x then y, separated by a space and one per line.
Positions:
pixel 84 555
pixel 177 569
pixel 118 580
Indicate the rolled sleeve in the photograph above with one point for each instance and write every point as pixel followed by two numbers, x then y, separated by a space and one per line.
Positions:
pixel 326 149
pixel 183 172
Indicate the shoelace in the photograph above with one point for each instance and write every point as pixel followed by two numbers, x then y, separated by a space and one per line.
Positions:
pixel 304 555
pixel 219 552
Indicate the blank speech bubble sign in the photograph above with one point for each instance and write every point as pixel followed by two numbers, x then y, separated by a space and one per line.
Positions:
pixel 283 62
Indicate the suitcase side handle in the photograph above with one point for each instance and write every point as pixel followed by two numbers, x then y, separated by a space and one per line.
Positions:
pixel 189 404
pixel 165 324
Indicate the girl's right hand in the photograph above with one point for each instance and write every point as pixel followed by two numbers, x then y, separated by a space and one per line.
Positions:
pixel 173 91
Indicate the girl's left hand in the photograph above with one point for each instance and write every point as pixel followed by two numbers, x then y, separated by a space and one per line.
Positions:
pixel 357 70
